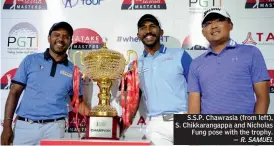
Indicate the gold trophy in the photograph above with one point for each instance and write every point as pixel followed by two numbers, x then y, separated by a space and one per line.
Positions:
pixel 104 66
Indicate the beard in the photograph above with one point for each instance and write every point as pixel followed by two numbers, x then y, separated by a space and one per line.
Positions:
pixel 151 45
pixel 57 51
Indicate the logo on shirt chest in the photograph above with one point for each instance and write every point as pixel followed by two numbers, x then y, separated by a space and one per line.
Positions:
pixel 168 59
pixel 65 73
pixel 234 59
pixel 144 70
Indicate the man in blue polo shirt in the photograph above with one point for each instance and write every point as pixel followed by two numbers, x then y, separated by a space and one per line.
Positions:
pixel 225 78
pixel 46 79
pixel 163 80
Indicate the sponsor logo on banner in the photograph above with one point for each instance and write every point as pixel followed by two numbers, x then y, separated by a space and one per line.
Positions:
pixel 73 3
pixel 259 38
pixel 143 4
pixel 6 79
pixel 271 74
pixel 141 121
pixel 136 39
pixel 189 45
pixel 255 4
pixel 25 5
pixel 86 39
pixel 83 40
pixel 71 126
pixel 199 6
pixel 22 39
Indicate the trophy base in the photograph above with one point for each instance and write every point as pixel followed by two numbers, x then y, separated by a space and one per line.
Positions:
pixel 103 128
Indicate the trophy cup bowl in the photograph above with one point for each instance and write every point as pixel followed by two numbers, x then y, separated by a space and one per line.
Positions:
pixel 104 66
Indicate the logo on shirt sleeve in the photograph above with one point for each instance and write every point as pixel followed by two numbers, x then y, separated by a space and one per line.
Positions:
pixel 65 73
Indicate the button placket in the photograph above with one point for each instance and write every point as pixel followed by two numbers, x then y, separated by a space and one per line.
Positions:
pixel 154 74
pixel 218 62
pixel 218 59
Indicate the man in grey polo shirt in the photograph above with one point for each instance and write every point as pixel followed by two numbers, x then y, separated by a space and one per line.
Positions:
pixel 225 78
pixel 163 80
pixel 47 81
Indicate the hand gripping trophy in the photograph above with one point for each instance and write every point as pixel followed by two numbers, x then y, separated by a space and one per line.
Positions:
pixel 104 66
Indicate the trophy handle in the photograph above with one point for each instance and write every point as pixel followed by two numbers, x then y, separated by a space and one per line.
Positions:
pixel 129 52
pixel 81 62
pixel 81 57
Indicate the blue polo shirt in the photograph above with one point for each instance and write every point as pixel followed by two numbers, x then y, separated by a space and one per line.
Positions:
pixel 47 85
pixel 163 80
pixel 226 80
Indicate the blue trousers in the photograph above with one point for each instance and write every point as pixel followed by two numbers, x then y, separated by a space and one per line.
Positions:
pixel 26 133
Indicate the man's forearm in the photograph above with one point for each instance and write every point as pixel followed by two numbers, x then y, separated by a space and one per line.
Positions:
pixel 194 111
pixel 10 107
pixel 194 108
pixel 194 103
pixel 262 105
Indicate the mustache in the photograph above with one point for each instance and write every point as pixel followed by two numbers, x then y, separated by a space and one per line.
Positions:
pixel 214 30
pixel 61 42
pixel 149 34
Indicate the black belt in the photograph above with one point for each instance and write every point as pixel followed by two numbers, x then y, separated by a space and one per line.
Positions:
pixel 39 121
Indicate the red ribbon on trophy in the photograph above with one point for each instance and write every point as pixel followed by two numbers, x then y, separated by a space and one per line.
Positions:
pixel 130 102
pixel 75 99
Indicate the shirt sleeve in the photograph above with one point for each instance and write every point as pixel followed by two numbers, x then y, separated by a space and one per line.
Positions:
pixel 186 61
pixel 193 80
pixel 21 75
pixel 258 69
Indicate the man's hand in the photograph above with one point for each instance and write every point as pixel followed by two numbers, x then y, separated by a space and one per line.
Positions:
pixel 6 136
pixel 84 109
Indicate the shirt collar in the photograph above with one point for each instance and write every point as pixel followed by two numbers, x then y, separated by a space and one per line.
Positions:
pixel 230 45
pixel 161 50
pixel 47 56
